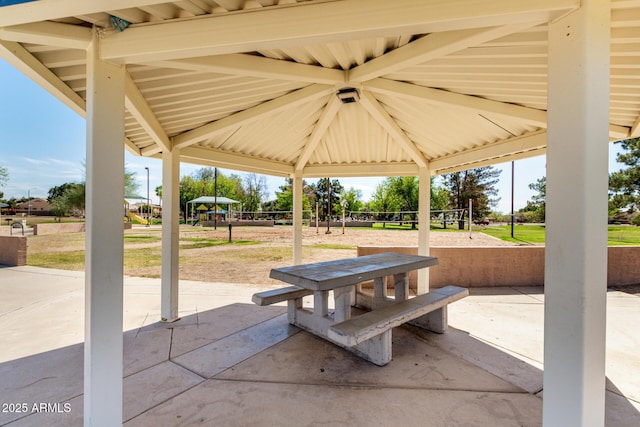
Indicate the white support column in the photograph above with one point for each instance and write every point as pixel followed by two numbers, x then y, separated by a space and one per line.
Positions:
pixel 104 241
pixel 297 219
pixel 576 218
pixel 170 234
pixel 424 214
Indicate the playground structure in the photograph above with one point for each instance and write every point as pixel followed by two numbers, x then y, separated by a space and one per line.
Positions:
pixel 130 216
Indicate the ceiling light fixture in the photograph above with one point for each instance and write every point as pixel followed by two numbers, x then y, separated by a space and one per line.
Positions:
pixel 348 95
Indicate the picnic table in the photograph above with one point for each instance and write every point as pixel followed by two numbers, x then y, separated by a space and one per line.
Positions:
pixel 367 335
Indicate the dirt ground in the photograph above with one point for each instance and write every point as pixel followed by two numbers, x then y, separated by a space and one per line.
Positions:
pixel 272 247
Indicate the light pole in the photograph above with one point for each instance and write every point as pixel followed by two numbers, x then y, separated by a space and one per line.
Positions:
pixel 148 205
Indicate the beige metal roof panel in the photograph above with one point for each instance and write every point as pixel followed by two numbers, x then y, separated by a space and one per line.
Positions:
pixel 509 69
pixel 354 136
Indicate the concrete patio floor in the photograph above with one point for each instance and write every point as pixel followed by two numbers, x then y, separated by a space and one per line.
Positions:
pixel 228 362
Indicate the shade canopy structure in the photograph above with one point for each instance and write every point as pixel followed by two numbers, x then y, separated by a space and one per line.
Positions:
pixel 259 85
pixel 315 88
pixel 212 199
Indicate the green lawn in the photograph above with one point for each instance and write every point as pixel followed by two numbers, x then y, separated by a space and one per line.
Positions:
pixel 534 234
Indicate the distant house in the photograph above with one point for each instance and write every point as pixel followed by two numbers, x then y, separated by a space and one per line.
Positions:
pixel 38 207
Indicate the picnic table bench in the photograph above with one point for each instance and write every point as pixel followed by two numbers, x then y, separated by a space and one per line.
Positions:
pixel 367 335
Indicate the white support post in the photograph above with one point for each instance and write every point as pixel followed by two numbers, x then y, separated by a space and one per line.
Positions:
pixel 170 235
pixel 297 219
pixel 424 222
pixel 576 217
pixel 103 358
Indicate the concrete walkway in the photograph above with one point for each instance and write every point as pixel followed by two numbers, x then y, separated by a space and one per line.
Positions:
pixel 228 362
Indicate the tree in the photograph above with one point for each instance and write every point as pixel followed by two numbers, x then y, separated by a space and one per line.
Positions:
pixel 324 190
pixel 384 200
pixel 254 191
pixel 130 183
pixel 401 194
pixel 624 185
pixel 352 199
pixel 284 197
pixel 58 191
pixel 537 204
pixel 475 184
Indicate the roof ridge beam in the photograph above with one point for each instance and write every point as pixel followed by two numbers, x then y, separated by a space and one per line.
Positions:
pixel 24 61
pixel 49 34
pixel 257 66
pixel 438 96
pixel 328 114
pixel 430 47
pixel 284 102
pixel 316 23
pixel 137 105
pixel 377 111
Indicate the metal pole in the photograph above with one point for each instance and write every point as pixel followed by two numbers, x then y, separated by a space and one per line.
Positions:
pixel 512 192
pixel 470 217
pixel 343 205
pixel 148 204
pixel 328 206
pixel 215 199
pixel 317 223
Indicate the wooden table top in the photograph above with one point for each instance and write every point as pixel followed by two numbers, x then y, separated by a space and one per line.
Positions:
pixel 324 276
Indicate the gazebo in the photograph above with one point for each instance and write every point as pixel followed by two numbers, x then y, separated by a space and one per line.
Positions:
pixel 320 88
pixel 211 200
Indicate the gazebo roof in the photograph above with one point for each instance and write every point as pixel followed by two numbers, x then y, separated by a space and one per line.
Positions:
pixel 210 199
pixel 258 85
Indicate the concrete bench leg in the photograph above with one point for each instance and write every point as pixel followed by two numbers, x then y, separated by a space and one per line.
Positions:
pixel 436 321
pixel 376 350
pixel 293 305
pixel 342 297
pixel 321 303
pixel 401 286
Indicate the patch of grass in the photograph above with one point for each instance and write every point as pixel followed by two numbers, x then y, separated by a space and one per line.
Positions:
pixel 535 234
pixel 262 254
pixel 203 242
pixel 522 234
pixel 623 235
pixel 132 238
pixel 70 260
pixel 142 258
pixel 333 246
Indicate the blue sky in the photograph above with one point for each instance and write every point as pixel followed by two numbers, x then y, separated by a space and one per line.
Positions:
pixel 42 144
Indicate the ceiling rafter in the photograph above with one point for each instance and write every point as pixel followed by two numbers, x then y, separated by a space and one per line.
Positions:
pixel 432 46
pixel 137 105
pixel 377 111
pixel 635 129
pixel 49 34
pixel 531 116
pixel 131 147
pixel 24 61
pixel 492 161
pixel 511 146
pixel 290 100
pixel 328 114
pixel 234 161
pixel 315 23
pixel 257 66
